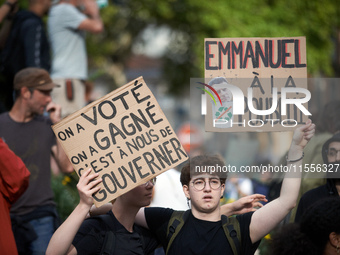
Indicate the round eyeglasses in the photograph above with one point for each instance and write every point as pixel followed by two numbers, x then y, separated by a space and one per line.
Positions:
pixel 332 153
pixel 199 184
pixel 152 181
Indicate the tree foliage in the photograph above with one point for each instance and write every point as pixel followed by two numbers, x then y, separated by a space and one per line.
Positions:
pixel 191 21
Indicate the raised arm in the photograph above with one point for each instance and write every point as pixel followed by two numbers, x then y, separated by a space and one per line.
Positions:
pixel 61 241
pixel 93 23
pixel 270 215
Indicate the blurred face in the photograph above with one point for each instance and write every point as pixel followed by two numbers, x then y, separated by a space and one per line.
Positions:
pixel 46 4
pixel 223 92
pixel 333 153
pixel 39 100
pixel 205 192
pixel 140 196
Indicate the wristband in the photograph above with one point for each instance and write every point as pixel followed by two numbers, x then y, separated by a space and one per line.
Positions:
pixel 294 160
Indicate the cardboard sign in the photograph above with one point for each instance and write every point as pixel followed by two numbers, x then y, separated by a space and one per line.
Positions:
pixel 258 68
pixel 124 136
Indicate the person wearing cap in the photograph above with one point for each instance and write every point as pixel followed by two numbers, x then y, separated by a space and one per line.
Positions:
pixel 331 158
pixel 29 135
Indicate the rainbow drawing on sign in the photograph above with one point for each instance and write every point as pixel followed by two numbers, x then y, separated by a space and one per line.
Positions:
pixel 209 93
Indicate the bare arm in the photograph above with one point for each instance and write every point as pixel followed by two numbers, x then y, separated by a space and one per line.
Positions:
pixel 93 23
pixel 267 217
pixel 243 205
pixel 140 217
pixel 61 241
pixel 62 159
pixel 94 211
pixel 58 152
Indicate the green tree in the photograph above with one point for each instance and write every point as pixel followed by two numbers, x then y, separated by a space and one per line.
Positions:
pixel 190 21
pixel 193 20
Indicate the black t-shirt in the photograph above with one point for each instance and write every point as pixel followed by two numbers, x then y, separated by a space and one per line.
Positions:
pixel 314 195
pixel 198 237
pixel 90 237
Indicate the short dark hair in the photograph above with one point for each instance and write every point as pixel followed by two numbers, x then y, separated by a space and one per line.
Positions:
pixel 321 219
pixel 288 240
pixel 312 234
pixel 188 169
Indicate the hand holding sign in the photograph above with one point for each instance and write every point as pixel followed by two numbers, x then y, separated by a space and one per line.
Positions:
pixel 124 137
pixel 87 186
pixel 55 111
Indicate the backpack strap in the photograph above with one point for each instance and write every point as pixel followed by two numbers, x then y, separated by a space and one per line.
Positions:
pixel 109 242
pixel 231 228
pixel 175 224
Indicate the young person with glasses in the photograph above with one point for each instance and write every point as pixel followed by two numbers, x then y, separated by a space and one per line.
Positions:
pixel 82 235
pixel 202 232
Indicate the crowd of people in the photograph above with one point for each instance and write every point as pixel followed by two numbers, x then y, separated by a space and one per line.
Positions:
pixel 29 75
pixel 203 229
pixel 60 49
pixel 40 89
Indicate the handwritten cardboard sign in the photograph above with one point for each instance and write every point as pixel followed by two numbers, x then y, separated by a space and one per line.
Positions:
pixel 124 136
pixel 261 65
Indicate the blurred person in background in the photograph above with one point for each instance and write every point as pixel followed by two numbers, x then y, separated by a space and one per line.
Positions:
pixel 7 8
pixel 26 46
pixel 28 133
pixel 328 123
pixel 237 187
pixel 67 23
pixel 261 181
pixel 331 159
